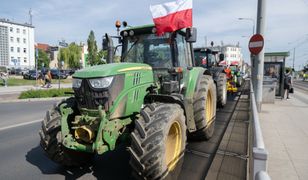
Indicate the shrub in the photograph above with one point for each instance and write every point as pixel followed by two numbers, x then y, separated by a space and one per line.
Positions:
pixel 45 93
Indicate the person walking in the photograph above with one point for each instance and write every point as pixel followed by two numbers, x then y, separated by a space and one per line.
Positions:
pixel 287 83
pixel 4 76
pixel 48 79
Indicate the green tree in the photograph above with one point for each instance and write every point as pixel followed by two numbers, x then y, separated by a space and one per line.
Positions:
pixel 92 49
pixel 70 55
pixel 63 55
pixel 74 55
pixel 100 56
pixel 42 58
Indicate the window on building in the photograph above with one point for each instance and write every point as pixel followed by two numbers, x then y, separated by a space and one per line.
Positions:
pixel 18 30
pixel 11 29
pixel 18 49
pixel 18 59
pixel 25 60
pixel 12 39
pixel 18 40
pixel 24 31
pixel 25 50
pixel 24 40
pixel 12 49
pixel 12 58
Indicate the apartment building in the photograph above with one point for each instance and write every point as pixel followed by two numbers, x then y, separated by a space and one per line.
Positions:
pixel 16 44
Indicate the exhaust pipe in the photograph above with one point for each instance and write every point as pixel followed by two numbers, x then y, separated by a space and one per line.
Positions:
pixel 84 133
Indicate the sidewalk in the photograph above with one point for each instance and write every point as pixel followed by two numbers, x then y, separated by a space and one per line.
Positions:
pixel 285 132
pixel 12 92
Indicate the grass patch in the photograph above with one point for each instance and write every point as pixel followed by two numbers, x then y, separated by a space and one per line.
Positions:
pixel 23 82
pixel 45 93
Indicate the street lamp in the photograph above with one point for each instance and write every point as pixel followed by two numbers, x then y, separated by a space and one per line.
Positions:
pixel 253 23
pixel 296 46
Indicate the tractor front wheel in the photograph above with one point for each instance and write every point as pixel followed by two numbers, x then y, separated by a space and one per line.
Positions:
pixel 158 141
pixel 51 139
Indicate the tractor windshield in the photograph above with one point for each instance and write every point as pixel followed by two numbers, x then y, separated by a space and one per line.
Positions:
pixel 148 48
pixel 203 58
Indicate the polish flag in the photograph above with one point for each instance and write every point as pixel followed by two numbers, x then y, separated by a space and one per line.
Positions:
pixel 171 16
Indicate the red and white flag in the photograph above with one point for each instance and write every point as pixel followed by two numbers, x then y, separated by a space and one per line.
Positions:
pixel 171 16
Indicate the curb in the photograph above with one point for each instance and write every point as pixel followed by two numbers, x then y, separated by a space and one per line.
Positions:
pixel 33 99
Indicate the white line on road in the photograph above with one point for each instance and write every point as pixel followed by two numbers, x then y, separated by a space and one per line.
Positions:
pixel 21 124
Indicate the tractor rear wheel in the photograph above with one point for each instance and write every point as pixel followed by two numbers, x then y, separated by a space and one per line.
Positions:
pixel 51 139
pixel 221 90
pixel 158 141
pixel 205 108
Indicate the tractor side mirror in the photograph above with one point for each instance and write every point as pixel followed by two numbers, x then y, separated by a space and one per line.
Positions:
pixel 108 45
pixel 191 35
pixel 105 43
pixel 221 57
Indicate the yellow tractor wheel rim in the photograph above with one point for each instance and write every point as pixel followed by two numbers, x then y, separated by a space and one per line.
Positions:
pixel 209 107
pixel 173 145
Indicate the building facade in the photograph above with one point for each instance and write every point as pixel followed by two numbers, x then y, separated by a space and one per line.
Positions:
pixel 16 44
pixel 233 54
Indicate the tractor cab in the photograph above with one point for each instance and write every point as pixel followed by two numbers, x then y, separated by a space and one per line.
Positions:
pixel 168 55
pixel 207 57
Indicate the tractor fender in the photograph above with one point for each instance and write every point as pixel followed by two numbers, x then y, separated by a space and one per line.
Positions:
pixel 189 91
pixel 215 71
pixel 185 104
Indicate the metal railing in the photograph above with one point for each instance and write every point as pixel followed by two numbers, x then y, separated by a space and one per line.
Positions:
pixel 259 153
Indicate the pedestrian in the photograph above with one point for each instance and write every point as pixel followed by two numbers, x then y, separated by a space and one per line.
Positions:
pixel 287 83
pixel 40 79
pixel 4 76
pixel 48 79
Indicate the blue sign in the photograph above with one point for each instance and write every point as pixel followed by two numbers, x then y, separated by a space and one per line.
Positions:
pixel 36 52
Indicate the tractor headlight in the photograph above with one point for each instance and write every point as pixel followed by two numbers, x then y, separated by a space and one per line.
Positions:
pixel 101 82
pixel 77 83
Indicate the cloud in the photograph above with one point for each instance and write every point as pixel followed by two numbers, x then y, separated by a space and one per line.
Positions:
pixel 286 21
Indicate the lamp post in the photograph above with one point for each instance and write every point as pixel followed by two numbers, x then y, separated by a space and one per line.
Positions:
pixel 253 23
pixel 295 46
pixel 253 69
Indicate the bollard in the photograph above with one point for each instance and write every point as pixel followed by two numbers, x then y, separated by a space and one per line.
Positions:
pixel 262 175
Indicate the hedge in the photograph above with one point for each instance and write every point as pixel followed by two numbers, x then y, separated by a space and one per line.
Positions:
pixel 45 93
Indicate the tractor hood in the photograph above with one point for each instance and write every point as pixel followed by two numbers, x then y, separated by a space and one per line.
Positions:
pixel 110 70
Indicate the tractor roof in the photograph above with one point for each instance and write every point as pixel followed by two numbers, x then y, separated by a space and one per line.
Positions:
pixel 205 49
pixel 145 29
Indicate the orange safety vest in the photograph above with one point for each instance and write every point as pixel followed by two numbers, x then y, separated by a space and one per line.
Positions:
pixel 228 73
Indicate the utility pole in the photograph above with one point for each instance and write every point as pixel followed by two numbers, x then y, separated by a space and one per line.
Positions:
pixel 293 58
pixel 30 15
pixel 259 60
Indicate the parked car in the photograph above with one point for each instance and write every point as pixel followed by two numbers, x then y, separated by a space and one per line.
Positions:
pixel 55 74
pixel 31 74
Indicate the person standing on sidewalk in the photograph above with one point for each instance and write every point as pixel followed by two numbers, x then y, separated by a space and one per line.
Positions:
pixel 287 83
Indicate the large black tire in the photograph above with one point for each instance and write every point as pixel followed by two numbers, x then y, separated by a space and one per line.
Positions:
pixel 205 108
pixel 51 139
pixel 221 90
pixel 239 81
pixel 158 141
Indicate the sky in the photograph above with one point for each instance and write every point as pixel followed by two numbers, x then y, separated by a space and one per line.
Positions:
pixel 286 21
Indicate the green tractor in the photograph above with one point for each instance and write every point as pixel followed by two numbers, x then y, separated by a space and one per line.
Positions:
pixel 155 97
pixel 209 59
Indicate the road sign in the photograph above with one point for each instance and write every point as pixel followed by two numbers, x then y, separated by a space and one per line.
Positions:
pixel 256 44
pixel 63 44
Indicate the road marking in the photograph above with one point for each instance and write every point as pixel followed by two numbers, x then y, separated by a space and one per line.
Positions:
pixel 21 124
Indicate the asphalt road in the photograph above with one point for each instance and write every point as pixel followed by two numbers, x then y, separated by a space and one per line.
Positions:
pixel 23 158
pixel 302 85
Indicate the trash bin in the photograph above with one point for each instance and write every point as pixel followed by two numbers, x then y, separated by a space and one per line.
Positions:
pixel 269 90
